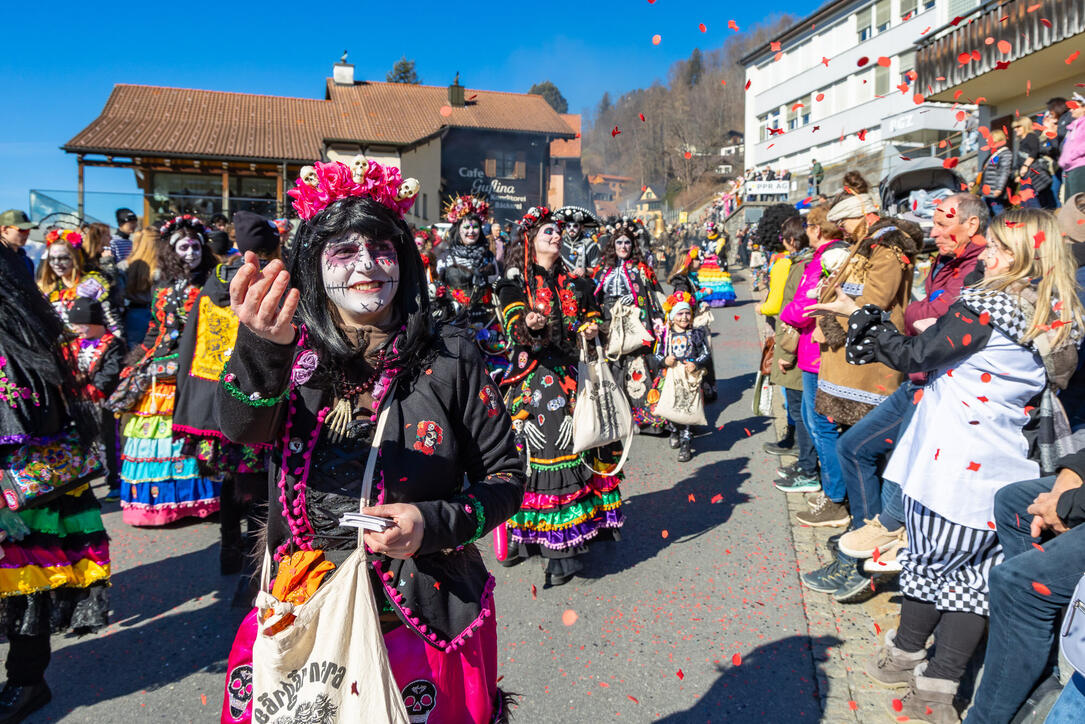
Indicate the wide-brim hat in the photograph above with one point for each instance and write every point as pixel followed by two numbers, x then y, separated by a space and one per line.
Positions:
pixel 1072 218
pixel 576 215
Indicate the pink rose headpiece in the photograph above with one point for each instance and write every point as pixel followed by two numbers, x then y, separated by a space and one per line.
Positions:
pixel 322 184
pixel 181 222
pixel 460 207
pixel 69 235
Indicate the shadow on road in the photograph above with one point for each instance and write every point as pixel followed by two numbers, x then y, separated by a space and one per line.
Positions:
pixel 773 683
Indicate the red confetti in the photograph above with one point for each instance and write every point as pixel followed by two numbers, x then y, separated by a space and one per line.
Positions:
pixel 854 706
pixel 917 396
pixel 966 340
pixel 656 39
pixel 354 688
pixel 985 318
pixel 688 155
pixel 1029 409
pixel 632 699
pixel 737 659
pixel 748 84
pixel 1041 588
pixel 1004 47
pixel 569 617
pixel 1038 547
pixel 863 61
pixel 702 28
pixel 862 135
pixel 437 585
pixel 748 433
pixel 1073 57
pixel 615 132
pixel 991 524
pixel 1038 239
pixel 534 593
pixel 731 24
pixel 819 97
pixel 884 62
pixel 985 377
pixel 641 116
pixel 716 498
pixel 877 628
pixel 203 699
pixel 937 452
pixel 736 317
pixel 951 162
pixel 680 675
pixel 973 466
pixel 692 498
pixel 665 533
pixel 897 705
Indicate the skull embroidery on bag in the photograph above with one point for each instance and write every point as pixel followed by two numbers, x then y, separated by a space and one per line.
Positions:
pixel 239 690
pixel 420 698
pixel 430 435
pixel 637 379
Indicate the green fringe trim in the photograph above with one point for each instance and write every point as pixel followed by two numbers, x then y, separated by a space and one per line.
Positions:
pixel 480 516
pixel 237 394
pixel 48 520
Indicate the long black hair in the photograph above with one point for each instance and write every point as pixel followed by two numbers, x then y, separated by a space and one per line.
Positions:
pixel 768 228
pixel 361 215
pixel 610 254
pixel 170 266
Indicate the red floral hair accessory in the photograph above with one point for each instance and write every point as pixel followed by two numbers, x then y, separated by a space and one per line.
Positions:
pixel 677 298
pixel 459 207
pixel 322 184
pixel 181 221
pixel 69 235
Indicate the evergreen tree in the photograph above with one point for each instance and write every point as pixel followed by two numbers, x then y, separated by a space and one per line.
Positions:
pixel 553 96
pixel 403 72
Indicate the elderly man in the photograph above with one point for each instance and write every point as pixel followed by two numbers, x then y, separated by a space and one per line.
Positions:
pixel 960 222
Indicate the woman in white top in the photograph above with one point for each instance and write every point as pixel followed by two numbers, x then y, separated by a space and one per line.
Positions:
pixel 990 359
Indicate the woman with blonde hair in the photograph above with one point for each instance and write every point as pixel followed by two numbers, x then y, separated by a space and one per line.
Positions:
pixel 993 360
pixel 139 268
pixel 64 276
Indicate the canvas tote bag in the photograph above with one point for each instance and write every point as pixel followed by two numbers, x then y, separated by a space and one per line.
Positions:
pixel 681 398
pixel 601 415
pixel 627 332
pixel 330 665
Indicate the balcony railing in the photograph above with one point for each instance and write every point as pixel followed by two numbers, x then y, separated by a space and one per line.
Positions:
pixel 940 54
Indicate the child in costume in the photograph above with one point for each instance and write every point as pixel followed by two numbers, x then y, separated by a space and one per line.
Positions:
pixel 681 344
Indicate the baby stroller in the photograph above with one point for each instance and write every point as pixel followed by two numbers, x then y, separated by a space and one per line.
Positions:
pixel 912 189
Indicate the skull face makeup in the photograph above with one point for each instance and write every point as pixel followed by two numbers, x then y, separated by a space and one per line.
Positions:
pixel 361 277
pixel 572 230
pixel 189 249
pixel 470 230
pixel 623 247
pixel 61 260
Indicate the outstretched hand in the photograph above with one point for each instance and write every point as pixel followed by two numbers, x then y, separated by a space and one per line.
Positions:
pixel 261 300
pixel 842 305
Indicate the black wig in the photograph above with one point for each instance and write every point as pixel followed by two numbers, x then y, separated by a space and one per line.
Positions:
pixel 768 228
pixel 170 266
pixel 610 254
pixel 359 214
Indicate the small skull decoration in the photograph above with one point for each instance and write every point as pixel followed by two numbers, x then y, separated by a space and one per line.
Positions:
pixel 239 690
pixel 408 189
pixel 309 177
pixel 358 168
pixel 419 698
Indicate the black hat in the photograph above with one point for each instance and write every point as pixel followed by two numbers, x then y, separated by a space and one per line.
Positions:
pixel 576 215
pixel 126 215
pixel 253 232
pixel 219 241
pixel 86 311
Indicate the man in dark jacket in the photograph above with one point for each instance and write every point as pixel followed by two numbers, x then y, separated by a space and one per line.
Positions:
pixel 15 228
pixel 1039 524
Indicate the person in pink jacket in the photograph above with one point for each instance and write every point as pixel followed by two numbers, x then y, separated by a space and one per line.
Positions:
pixel 1072 158
pixel 824 236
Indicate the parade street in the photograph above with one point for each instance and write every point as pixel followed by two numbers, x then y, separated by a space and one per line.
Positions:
pixel 696 615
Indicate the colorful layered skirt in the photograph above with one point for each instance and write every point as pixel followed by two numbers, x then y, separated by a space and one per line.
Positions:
pixel 565 505
pixel 56 576
pixel 715 284
pixel 159 483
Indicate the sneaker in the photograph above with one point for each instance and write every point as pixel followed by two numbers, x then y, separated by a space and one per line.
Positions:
pixel 786 471
pixel 856 587
pixel 826 579
pixel 19 702
pixel 863 542
pixel 886 562
pixel 813 500
pixel 799 483
pixel 827 514
pixel 779 448
pixel 675 441
pixel 112 496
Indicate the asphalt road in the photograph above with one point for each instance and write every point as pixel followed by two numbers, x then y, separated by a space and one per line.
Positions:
pixel 694 616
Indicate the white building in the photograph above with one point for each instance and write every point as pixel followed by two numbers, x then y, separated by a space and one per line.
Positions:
pixel 841 83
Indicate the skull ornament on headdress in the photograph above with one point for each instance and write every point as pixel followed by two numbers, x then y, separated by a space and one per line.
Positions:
pixel 322 184
pixel 358 168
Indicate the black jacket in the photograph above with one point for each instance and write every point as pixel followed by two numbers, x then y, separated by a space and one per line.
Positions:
pixel 1071 505
pixel 997 172
pixel 447 448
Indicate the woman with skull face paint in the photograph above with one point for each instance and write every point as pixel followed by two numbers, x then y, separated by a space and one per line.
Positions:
pixel 625 280
pixel 159 483
pixel 63 276
pixel 545 309
pixel 324 354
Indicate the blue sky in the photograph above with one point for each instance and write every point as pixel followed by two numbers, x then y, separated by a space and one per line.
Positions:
pixel 60 59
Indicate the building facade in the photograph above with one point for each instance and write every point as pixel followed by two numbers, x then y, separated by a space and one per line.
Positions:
pixel 207 151
pixel 840 87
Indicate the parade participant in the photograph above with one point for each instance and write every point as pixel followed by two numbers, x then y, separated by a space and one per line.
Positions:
pixel 63 276
pixel 684 278
pixel 680 344
pixel 467 267
pixel 208 337
pixel 160 483
pixel 626 288
pixel 99 357
pixel 55 573
pixel 999 347
pixel 580 249
pixel 364 351
pixel 545 309
pixel 425 241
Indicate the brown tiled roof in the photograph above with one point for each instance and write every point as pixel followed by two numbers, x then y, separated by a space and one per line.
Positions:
pixel 149 120
pixel 560 148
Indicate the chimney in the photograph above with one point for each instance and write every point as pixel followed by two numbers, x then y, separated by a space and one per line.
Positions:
pixel 343 72
pixel 456 93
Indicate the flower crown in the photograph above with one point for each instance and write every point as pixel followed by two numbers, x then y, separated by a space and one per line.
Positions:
pixel 69 235
pixel 535 216
pixel 426 235
pixel 178 222
pixel 322 184
pixel 676 298
pixel 460 207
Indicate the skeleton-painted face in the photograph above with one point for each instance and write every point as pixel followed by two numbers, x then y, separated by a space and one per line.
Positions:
pixel 573 229
pixel 548 240
pixel 623 247
pixel 360 276
pixel 239 690
pixel 470 231
pixel 358 167
pixel 61 259
pixel 190 250
pixel 308 175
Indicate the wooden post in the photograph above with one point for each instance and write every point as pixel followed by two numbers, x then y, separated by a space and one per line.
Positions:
pixel 225 189
pixel 79 185
pixel 280 183
pixel 148 189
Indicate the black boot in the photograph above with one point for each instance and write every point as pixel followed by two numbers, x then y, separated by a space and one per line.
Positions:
pixel 685 453
pixel 19 702
pixel 785 446
pixel 674 439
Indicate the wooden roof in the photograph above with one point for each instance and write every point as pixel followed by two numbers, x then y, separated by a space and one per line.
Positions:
pixel 561 148
pixel 143 120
